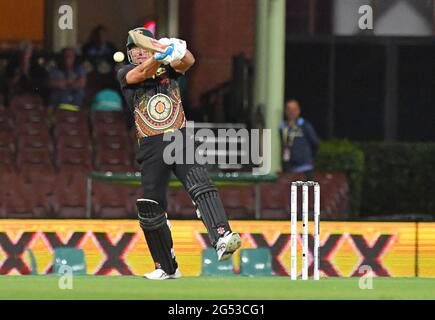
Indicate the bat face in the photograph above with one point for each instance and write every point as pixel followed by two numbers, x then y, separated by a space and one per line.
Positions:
pixel 146 43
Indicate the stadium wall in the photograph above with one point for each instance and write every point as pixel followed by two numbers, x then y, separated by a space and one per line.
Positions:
pixel 114 247
pixel 206 25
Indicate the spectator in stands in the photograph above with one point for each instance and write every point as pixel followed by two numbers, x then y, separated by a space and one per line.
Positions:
pixel 68 80
pixel 98 48
pixel 25 74
pixel 299 142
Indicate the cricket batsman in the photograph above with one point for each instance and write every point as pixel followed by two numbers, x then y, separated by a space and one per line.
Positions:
pixel 150 87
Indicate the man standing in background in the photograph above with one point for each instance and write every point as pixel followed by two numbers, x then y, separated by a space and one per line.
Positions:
pixel 299 142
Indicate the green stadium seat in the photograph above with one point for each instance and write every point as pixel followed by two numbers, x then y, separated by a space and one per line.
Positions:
pixel 256 262
pixel 33 265
pixel 212 267
pixel 73 257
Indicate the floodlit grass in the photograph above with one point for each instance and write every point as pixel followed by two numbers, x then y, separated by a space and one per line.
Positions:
pixel 213 288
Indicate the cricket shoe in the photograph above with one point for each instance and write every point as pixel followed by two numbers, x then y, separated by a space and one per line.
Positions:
pixel 227 245
pixel 159 274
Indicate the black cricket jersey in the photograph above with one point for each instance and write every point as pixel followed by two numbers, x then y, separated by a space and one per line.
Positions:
pixel 156 102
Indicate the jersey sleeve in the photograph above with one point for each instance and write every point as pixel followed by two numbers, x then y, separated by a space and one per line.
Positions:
pixel 127 90
pixel 122 74
pixel 173 74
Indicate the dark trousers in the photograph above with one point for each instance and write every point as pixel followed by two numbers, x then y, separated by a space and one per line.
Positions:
pixel 155 172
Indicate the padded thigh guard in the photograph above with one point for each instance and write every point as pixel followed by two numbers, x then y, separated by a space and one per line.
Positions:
pixel 206 197
pixel 153 221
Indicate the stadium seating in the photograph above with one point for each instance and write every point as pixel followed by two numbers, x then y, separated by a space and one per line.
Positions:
pixel 212 267
pixel 5 122
pixel 109 129
pixel 24 103
pixel 29 116
pixel 69 196
pixel 33 129
pixel 275 197
pixel 71 257
pixel 2 210
pixel 7 141
pixel 32 156
pixel 21 200
pixel 114 160
pixel 73 117
pixel 73 142
pixel 35 142
pixel 46 156
pixel 333 195
pixel 41 177
pixel 111 201
pixel 239 202
pixel 105 117
pixel 274 201
pixel 113 143
pixel 76 157
pixel 256 262
pixel 25 131
pixel 15 207
pixel 71 129
pixel 180 205
pixel 6 161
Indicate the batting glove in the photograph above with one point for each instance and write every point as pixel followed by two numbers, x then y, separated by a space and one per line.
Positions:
pixel 165 57
pixel 178 52
pixel 180 48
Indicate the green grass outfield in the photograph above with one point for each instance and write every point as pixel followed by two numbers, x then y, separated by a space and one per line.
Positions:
pixel 123 287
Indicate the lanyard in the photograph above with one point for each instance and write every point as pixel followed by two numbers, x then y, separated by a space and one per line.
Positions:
pixel 288 139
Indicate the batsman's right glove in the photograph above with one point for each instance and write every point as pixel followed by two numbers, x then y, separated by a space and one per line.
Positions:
pixel 165 57
pixel 177 52
pixel 180 48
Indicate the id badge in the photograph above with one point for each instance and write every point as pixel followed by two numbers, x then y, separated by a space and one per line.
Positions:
pixel 286 155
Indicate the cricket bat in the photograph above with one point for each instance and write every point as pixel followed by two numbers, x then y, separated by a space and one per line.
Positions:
pixel 146 43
